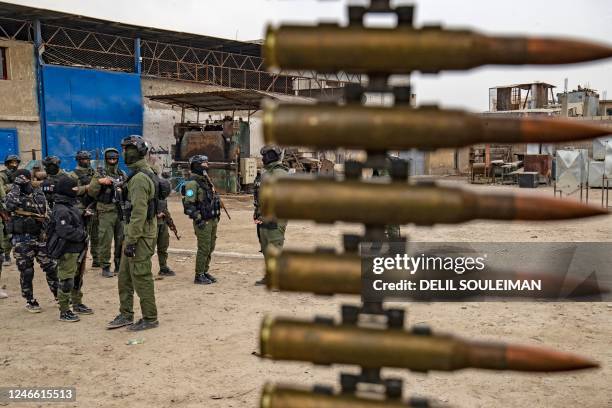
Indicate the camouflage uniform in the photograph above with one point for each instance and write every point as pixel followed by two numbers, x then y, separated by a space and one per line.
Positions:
pixel 84 176
pixel 269 232
pixel 29 239
pixel 110 225
pixel 6 180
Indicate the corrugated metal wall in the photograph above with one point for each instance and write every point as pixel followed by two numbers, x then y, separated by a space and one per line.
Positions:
pixel 88 109
pixel 8 143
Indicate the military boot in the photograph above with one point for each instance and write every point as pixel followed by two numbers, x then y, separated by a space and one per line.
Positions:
pixel 165 271
pixel 202 280
pixel 210 277
pixel 106 272
pixel 69 317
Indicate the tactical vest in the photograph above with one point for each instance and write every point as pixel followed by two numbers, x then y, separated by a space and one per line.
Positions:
pixel 210 207
pixel 107 193
pixel 152 205
pixel 34 203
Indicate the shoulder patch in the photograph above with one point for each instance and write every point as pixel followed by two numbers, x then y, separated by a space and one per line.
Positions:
pixel 189 193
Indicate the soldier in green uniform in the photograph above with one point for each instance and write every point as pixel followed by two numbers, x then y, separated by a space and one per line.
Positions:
pixel 202 204
pixel 51 165
pixel 108 209
pixel 163 234
pixel 84 173
pixel 7 176
pixel 270 232
pixel 68 227
pixel 139 211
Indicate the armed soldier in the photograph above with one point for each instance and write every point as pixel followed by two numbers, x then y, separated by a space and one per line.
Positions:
pixel 52 168
pixel 68 228
pixel 164 220
pixel 202 204
pixel 108 208
pixel 11 164
pixel 139 210
pixel 84 173
pixel 3 218
pixel 269 232
pixel 29 213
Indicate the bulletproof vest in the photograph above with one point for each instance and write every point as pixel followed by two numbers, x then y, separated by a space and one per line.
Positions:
pixel 107 193
pixel 152 205
pixel 85 176
pixel 34 203
pixel 210 207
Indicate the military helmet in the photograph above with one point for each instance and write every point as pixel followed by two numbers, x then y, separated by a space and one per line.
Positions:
pixel 138 142
pixel 198 159
pixel 10 158
pixel 270 148
pixel 51 160
pixel 83 155
pixel 111 153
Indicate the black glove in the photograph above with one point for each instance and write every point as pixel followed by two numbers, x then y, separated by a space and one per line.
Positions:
pixel 130 250
pixel 201 224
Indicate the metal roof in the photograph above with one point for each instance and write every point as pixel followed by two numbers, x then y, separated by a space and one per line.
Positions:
pixel 525 85
pixel 223 100
pixel 18 12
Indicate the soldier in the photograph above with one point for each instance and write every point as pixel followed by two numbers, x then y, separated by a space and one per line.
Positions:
pixel 29 213
pixel 11 163
pixel 392 231
pixel 84 173
pixel 269 232
pixel 51 165
pixel 163 234
pixel 201 203
pixel 108 208
pixel 139 210
pixel 67 223
pixel 3 217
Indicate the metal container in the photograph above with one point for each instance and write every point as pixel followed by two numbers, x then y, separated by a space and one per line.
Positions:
pixel 584 153
pixel 599 147
pixel 570 169
pixel 528 179
pixel 596 169
pixel 541 163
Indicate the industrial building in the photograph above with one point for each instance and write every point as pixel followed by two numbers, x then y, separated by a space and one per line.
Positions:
pixel 70 82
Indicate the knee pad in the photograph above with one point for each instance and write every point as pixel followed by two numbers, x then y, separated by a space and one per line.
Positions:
pixel 66 285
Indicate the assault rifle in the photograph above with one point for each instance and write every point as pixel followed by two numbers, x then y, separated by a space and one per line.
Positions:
pixel 215 192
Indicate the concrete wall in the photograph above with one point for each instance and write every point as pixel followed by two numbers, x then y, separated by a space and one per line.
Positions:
pixel 19 106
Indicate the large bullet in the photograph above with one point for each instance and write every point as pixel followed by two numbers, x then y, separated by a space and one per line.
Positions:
pixel 337 274
pixel 378 203
pixel 356 126
pixel 319 343
pixel 284 396
pixel 329 48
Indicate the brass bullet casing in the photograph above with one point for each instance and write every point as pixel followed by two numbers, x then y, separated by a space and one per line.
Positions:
pixel 286 396
pixel 382 203
pixel 340 274
pixel 296 340
pixel 356 49
pixel 355 126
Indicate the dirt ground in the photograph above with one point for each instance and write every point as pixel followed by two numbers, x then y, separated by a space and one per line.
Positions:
pixel 202 353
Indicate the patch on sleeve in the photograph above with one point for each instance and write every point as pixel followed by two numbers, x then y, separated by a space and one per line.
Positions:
pixel 189 193
pixel 63 222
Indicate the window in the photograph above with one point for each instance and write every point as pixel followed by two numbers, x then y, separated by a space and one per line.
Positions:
pixel 3 74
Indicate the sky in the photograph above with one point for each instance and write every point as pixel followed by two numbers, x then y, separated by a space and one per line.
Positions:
pixel 246 20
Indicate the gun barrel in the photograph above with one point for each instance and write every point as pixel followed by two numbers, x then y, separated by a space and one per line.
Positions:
pixel 378 203
pixel 286 396
pixel 397 128
pixel 355 49
pixel 296 340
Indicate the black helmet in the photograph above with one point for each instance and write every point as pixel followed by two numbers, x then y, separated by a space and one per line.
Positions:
pixel 197 159
pixel 51 160
pixel 111 153
pixel 138 142
pixel 10 158
pixel 270 153
pixel 83 155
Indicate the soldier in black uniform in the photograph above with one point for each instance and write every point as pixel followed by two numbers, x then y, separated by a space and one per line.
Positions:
pixel 54 172
pixel 29 213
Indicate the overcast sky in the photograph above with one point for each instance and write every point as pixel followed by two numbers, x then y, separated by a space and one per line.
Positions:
pixel 246 20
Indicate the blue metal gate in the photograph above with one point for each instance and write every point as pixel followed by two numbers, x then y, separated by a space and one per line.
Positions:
pixel 9 144
pixel 87 109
